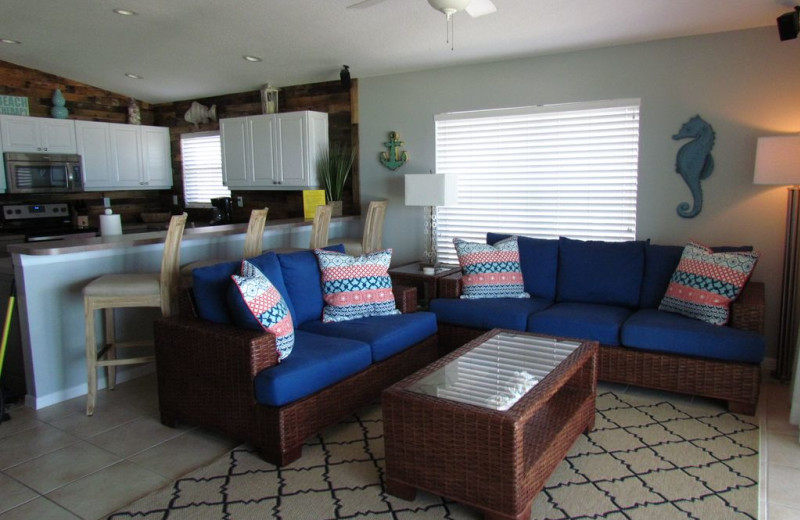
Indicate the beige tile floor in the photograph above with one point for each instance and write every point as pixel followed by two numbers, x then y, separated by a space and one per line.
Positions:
pixel 56 463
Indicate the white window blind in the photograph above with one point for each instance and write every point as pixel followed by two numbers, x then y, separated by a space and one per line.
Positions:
pixel 202 168
pixel 561 170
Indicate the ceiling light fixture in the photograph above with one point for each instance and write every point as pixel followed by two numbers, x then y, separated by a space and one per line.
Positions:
pixel 10 41
pixel 125 12
pixel 133 76
pixel 252 59
pixel 449 8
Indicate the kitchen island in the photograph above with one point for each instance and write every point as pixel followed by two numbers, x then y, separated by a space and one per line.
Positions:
pixel 50 277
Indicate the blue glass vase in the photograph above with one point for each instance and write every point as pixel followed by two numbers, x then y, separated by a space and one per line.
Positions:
pixel 59 111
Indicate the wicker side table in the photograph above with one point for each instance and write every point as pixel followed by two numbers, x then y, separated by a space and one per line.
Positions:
pixel 495 460
pixel 413 275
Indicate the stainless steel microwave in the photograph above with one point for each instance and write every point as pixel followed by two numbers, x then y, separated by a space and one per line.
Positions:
pixel 43 172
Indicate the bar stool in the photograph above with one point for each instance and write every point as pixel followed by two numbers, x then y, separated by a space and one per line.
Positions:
pixel 319 227
pixel 253 241
pixel 113 291
pixel 372 236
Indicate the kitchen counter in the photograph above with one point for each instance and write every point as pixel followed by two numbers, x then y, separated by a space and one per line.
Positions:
pixel 50 277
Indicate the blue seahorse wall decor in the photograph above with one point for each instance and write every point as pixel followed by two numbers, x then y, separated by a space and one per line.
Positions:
pixel 694 161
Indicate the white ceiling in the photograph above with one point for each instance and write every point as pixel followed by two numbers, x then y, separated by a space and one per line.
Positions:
pixel 188 49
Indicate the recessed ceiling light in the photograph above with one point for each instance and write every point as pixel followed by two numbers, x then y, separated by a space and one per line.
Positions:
pixel 125 12
pixel 133 76
pixel 9 41
pixel 254 59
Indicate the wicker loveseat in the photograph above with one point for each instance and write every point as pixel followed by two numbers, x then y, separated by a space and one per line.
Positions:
pixel 227 378
pixel 610 292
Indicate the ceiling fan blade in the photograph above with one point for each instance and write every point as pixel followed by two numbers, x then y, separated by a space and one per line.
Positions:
pixel 364 4
pixel 478 8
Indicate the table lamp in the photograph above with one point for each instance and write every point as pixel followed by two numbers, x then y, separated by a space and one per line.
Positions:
pixel 431 190
pixel 778 163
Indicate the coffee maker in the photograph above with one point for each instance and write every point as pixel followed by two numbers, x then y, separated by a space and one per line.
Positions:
pixel 222 210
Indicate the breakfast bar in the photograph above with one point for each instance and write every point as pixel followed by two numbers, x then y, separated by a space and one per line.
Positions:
pixel 50 277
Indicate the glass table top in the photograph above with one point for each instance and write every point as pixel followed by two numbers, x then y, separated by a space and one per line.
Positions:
pixel 498 372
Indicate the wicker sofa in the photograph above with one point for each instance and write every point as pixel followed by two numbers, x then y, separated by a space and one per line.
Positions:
pixel 610 292
pixel 227 378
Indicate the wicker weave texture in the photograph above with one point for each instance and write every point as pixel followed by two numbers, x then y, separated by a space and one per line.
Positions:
pixel 494 460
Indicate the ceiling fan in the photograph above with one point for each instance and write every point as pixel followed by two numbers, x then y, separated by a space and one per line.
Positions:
pixel 474 8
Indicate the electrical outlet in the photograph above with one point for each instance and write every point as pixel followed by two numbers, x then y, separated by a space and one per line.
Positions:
pixel 239 201
pixel 106 202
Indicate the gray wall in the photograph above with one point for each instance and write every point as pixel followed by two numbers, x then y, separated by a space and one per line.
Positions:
pixel 743 83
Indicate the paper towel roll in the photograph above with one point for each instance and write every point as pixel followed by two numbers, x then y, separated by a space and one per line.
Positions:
pixel 110 225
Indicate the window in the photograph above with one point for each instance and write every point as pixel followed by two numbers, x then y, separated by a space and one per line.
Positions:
pixel 202 168
pixel 548 171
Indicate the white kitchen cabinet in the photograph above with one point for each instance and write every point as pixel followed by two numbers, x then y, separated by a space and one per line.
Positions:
pixel 273 151
pixel 124 157
pixel 2 171
pixel 37 134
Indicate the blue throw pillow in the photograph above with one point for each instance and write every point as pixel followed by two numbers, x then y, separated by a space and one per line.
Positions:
pixel 490 271
pixel 303 283
pixel 600 272
pixel 256 304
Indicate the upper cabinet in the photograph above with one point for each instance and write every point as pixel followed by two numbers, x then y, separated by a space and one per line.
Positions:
pixel 124 157
pixel 273 151
pixel 37 134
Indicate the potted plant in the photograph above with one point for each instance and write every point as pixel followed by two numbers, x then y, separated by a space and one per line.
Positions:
pixel 334 167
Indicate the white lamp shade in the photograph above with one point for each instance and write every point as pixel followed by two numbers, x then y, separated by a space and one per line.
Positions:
pixel 778 160
pixel 431 189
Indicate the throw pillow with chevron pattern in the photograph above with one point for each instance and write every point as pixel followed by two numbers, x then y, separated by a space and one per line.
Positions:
pixel 355 286
pixel 490 271
pixel 255 302
pixel 705 283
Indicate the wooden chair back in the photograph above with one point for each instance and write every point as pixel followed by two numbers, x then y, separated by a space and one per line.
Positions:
pixel 319 228
pixel 254 239
pixel 170 263
pixel 373 226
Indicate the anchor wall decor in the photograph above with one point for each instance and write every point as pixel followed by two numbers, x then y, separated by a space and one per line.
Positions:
pixel 394 158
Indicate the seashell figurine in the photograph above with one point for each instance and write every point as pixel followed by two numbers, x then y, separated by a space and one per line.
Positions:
pixel 198 113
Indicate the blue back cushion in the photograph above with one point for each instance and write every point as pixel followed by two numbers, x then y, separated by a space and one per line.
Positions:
pixel 303 281
pixel 538 259
pixel 600 272
pixel 210 285
pixel 660 263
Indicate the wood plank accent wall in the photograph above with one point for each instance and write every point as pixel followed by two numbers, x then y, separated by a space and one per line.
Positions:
pixel 90 103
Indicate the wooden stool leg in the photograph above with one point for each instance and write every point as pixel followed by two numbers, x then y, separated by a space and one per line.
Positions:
pixel 111 353
pixel 91 356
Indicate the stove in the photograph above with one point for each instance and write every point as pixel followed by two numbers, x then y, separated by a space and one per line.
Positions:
pixel 40 222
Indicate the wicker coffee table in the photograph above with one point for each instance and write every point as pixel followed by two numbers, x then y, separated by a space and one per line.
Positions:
pixel 471 428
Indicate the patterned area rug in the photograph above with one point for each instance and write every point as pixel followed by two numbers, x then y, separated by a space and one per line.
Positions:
pixel 645 459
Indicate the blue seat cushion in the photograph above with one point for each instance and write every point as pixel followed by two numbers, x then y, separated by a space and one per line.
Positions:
pixel 600 272
pixel 651 329
pixel 506 313
pixel 316 362
pixel 303 281
pixel 210 285
pixel 386 335
pixel 538 260
pixel 581 320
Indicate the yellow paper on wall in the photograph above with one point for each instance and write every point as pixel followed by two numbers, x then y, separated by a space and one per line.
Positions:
pixel 312 199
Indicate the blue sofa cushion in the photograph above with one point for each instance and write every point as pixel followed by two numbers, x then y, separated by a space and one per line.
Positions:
pixel 600 272
pixel 538 258
pixel 581 320
pixel 316 362
pixel 650 329
pixel 386 335
pixel 506 313
pixel 303 282
pixel 210 285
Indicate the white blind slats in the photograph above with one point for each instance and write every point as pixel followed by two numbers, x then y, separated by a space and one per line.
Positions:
pixel 561 170
pixel 202 168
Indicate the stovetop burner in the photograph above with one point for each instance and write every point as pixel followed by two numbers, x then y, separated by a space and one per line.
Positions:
pixel 39 222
